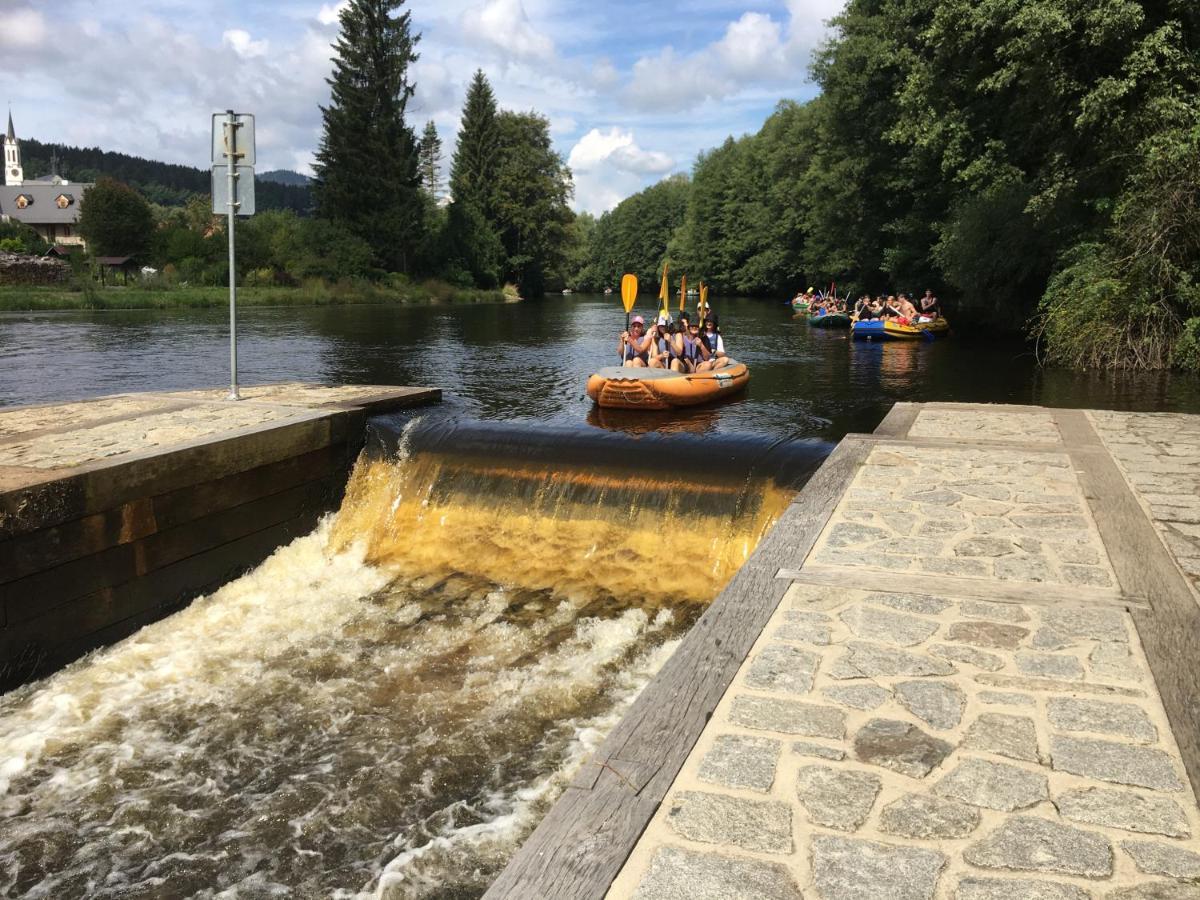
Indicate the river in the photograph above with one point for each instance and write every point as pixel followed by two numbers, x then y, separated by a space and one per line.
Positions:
pixel 387 706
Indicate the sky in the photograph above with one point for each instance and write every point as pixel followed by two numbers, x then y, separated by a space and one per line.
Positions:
pixel 633 90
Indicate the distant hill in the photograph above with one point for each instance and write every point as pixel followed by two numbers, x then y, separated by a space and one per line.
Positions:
pixel 285 176
pixel 166 184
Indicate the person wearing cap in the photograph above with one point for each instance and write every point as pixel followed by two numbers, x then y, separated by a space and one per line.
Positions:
pixel 712 346
pixel 638 349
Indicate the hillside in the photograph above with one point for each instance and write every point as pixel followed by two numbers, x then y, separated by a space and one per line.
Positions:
pixel 167 184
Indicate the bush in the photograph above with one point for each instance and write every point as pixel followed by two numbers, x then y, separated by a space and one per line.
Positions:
pixel 1186 354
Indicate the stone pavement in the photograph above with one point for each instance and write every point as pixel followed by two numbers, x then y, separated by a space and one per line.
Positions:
pixel 38 442
pixel 953 699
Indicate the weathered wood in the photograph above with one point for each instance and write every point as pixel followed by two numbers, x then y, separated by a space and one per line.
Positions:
pixel 954 586
pixel 581 845
pixel 1170 628
pixel 898 420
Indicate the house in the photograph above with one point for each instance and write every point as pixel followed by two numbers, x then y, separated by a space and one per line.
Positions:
pixel 50 204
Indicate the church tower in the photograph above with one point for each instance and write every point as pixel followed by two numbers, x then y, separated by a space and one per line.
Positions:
pixel 14 175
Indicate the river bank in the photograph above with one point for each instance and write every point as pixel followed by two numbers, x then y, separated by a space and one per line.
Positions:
pixel 312 293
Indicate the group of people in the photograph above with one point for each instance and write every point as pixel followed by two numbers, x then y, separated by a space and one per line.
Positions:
pixel 898 308
pixel 818 303
pixel 681 346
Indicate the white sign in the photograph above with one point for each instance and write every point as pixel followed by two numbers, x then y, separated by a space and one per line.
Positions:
pixel 243 187
pixel 242 142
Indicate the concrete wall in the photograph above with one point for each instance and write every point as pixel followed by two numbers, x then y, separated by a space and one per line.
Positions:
pixel 89 558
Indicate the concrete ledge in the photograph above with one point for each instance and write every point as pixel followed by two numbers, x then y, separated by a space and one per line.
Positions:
pixel 118 510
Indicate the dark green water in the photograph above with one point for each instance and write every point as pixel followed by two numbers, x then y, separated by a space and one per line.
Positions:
pixel 528 362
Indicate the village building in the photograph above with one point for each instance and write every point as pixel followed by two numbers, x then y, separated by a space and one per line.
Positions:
pixel 50 204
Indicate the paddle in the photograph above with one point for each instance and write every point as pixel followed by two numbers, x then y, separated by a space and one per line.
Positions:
pixel 664 293
pixel 628 298
pixel 682 293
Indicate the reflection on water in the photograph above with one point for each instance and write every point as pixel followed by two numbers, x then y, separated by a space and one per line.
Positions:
pixel 385 707
pixel 528 362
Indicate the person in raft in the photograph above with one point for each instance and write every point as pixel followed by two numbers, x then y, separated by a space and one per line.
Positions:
pixel 928 307
pixel 637 348
pixel 687 350
pixel 712 346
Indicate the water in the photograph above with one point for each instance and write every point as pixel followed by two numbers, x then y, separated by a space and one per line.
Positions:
pixel 388 705
pixel 528 362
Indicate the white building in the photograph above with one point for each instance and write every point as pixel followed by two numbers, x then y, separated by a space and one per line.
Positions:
pixel 49 205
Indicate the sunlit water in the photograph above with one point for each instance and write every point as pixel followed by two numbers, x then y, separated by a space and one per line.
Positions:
pixel 388 705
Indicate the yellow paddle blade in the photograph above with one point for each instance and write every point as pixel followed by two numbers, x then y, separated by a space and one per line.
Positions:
pixel 682 291
pixel 628 291
pixel 704 294
pixel 664 292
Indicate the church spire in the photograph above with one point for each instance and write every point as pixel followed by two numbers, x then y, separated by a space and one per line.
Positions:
pixel 12 134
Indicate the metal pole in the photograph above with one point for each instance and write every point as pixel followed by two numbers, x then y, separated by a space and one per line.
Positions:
pixel 232 156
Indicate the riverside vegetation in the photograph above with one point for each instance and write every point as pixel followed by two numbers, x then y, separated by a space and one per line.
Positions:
pixel 1034 162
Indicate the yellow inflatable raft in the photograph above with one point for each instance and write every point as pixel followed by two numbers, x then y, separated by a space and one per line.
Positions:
pixel 616 387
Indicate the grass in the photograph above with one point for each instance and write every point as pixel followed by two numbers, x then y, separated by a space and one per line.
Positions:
pixel 15 298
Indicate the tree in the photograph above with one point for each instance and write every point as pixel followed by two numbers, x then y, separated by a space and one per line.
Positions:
pixel 430 151
pixel 115 220
pixel 367 176
pixel 476 154
pixel 529 200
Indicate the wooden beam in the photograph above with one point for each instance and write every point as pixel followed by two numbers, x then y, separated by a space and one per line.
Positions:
pixel 1170 628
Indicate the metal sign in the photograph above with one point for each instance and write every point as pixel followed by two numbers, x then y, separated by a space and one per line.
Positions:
pixel 233 195
pixel 243 190
pixel 242 143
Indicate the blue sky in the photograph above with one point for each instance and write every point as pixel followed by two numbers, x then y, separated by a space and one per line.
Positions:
pixel 633 90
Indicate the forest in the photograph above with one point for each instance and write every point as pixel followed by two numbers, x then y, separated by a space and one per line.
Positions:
pixel 1036 163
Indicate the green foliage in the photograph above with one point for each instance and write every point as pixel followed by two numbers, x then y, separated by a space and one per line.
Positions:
pixel 530 193
pixel 1130 300
pixel 367 168
pixel 115 220
pixel 430 155
pixel 20 238
pixel 476 155
pixel 633 236
pixel 1186 353
pixel 470 251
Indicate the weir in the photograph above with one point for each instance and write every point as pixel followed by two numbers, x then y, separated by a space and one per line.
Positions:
pixel 388 704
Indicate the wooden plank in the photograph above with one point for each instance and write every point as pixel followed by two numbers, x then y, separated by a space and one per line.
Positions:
pixel 898 420
pixel 581 845
pixel 865 579
pixel 40 550
pixel 1170 628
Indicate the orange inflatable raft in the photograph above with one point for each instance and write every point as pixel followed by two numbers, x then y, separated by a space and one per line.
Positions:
pixel 617 387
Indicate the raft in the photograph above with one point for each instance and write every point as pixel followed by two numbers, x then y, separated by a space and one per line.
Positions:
pixel 618 387
pixel 879 330
pixel 830 320
pixel 800 305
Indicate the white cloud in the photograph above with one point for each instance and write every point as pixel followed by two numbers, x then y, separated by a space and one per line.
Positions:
pixel 753 45
pixel 23 28
pixel 608 166
pixel 243 45
pixel 329 12
pixel 755 52
pixel 504 25
pixel 617 148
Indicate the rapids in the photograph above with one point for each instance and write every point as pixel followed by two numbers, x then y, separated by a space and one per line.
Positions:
pixel 387 706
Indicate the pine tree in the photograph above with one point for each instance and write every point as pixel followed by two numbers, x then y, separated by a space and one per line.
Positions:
pixel 367 176
pixel 431 161
pixel 476 156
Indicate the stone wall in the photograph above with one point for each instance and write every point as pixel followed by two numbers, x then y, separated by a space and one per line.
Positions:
pixel 23 268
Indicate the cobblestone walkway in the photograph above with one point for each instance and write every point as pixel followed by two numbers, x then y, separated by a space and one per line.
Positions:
pixel 911 740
